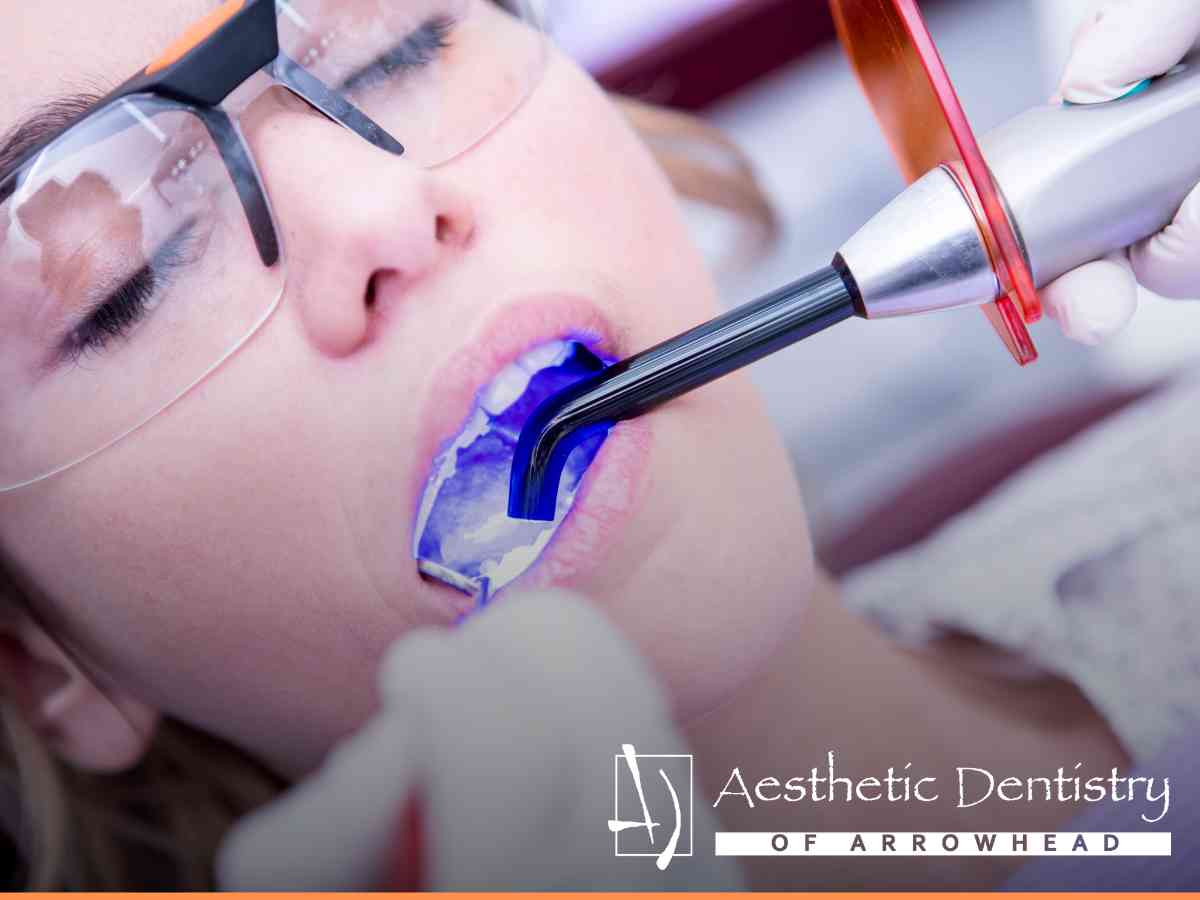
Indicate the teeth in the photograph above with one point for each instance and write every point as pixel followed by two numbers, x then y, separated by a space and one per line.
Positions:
pixel 544 356
pixel 464 537
pixel 505 389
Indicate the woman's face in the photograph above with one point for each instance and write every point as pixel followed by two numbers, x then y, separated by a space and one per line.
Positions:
pixel 242 561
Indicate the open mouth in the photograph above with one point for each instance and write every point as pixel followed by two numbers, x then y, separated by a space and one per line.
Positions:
pixel 464 537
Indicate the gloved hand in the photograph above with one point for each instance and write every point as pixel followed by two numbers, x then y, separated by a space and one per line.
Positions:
pixel 489 765
pixel 1116 48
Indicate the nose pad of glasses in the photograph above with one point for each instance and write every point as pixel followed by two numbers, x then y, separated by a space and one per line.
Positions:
pixel 247 94
pixel 272 100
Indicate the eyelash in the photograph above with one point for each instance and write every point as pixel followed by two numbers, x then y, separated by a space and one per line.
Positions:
pixel 115 317
pixel 416 51
pixel 124 308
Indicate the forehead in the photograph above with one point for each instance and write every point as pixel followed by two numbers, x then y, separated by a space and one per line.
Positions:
pixel 65 46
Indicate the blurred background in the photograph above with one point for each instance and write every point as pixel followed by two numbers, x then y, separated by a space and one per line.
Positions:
pixel 883 419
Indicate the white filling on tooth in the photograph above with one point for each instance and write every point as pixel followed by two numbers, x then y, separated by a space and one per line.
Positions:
pixel 543 357
pixel 495 527
pixel 513 380
pixel 505 389
pixel 516 562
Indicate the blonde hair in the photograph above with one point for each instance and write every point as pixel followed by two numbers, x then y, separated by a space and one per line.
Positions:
pixel 706 168
pixel 158 825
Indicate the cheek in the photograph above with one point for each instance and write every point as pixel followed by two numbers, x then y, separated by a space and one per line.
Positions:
pixel 715 571
pixel 207 566
pixel 579 190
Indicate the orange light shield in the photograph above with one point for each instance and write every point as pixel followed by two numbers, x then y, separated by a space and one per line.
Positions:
pixel 906 83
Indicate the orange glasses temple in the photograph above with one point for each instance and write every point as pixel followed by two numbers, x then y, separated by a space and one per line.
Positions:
pixel 195 35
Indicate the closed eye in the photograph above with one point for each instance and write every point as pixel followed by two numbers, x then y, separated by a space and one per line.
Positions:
pixel 415 51
pixel 123 308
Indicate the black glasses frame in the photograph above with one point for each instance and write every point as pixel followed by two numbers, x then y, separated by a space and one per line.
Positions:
pixel 242 40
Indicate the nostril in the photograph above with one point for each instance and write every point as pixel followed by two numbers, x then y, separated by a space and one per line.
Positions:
pixel 372 288
pixel 443 229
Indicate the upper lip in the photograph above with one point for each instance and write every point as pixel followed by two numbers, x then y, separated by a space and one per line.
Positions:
pixel 511 330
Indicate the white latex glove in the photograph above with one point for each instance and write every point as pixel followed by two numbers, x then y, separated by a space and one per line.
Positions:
pixel 490 765
pixel 1121 44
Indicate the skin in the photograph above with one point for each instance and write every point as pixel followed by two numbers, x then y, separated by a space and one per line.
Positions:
pixel 206 570
pixel 879 706
pixel 250 592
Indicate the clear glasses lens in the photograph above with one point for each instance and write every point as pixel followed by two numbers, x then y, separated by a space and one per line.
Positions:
pixel 128 267
pixel 438 75
pixel 127 273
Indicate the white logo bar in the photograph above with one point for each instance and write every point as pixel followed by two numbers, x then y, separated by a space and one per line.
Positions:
pixel 943 843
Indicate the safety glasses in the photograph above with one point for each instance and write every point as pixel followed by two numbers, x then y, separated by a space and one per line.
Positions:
pixel 138 246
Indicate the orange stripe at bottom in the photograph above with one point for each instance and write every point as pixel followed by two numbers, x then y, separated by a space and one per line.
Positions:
pixel 550 895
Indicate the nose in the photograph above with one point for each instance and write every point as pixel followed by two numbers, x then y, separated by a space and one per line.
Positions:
pixel 358 224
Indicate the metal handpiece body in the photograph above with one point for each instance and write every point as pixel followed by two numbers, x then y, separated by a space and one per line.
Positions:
pixel 1080 181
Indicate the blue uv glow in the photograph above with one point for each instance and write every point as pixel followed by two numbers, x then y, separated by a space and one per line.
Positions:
pixel 465 526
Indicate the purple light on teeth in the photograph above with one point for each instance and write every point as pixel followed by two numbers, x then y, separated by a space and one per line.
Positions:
pixel 463 529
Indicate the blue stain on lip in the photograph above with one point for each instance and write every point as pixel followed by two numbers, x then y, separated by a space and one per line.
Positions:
pixel 464 535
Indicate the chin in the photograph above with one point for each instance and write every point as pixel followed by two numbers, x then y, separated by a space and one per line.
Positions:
pixel 713 573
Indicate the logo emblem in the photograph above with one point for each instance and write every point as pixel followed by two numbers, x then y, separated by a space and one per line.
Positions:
pixel 652 792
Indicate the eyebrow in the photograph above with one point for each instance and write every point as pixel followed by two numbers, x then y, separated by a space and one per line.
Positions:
pixel 39 126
